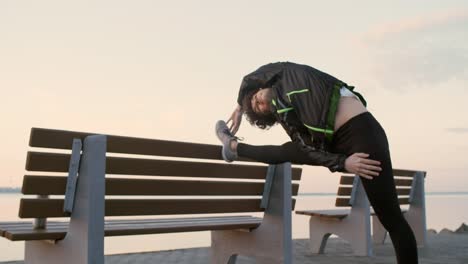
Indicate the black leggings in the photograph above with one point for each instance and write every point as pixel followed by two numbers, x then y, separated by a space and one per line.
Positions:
pixel 361 133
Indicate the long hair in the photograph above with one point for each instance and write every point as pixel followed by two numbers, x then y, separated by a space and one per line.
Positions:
pixel 262 121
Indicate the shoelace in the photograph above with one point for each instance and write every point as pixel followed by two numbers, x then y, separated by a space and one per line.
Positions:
pixel 228 132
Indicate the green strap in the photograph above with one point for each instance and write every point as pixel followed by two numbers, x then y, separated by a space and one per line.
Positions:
pixel 273 101
pixel 280 111
pixel 326 131
pixel 284 110
pixel 295 92
pixel 334 100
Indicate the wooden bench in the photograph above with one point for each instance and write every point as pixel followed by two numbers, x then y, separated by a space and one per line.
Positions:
pixel 353 223
pixel 85 198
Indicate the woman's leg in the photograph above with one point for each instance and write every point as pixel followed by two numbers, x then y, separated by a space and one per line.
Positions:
pixel 382 195
pixel 364 134
pixel 288 152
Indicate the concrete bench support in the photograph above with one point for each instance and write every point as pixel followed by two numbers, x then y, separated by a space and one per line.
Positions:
pixel 416 214
pixel 272 241
pixel 84 242
pixel 354 228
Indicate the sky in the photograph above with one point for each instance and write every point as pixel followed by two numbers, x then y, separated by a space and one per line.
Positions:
pixel 171 69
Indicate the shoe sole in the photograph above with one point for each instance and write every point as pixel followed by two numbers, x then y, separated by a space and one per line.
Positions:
pixel 221 124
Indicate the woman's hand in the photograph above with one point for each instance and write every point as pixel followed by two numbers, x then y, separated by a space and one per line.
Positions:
pixel 236 118
pixel 359 164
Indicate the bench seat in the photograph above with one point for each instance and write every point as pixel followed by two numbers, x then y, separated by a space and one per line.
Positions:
pixel 403 210
pixel 332 213
pixel 21 231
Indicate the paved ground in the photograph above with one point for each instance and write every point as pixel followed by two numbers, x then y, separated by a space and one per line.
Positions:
pixel 443 248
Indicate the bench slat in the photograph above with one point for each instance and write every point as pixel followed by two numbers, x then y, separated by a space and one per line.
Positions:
pixel 137 228
pixel 403 182
pixel 403 173
pixel 43 208
pixel 403 191
pixel 348 180
pixel 344 202
pixel 406 173
pixel 62 139
pixel 53 225
pixel 336 214
pixel 58 162
pixel 55 185
pixel 181 227
pixel 346 191
pixel 402 210
pixel 26 225
pixel 403 200
pixel 29 224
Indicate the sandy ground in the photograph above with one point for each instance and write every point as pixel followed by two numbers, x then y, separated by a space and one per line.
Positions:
pixel 445 247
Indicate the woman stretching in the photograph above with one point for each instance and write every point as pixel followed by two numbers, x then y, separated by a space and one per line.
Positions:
pixel 329 126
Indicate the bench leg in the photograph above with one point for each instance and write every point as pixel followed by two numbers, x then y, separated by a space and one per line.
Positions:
pixel 232 259
pixel 355 227
pixel 265 247
pixel 379 233
pixel 271 242
pixel 414 219
pixel 44 252
pixel 84 242
pixel 416 214
pixel 222 256
pixel 360 242
pixel 318 236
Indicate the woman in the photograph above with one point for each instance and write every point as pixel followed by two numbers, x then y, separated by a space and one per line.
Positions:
pixel 329 126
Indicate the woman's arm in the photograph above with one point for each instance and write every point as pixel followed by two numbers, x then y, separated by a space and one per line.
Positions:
pixel 357 163
pixel 263 77
pixel 235 119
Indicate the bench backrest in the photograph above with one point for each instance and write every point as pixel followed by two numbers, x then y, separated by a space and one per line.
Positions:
pixel 405 182
pixel 223 186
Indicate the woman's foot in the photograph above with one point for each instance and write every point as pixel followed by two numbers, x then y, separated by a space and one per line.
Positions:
pixel 229 141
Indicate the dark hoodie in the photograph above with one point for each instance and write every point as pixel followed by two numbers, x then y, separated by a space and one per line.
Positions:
pixel 305 101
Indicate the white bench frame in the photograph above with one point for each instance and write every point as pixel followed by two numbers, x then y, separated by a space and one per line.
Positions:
pixel 271 242
pixel 355 227
pixel 84 242
pixel 415 216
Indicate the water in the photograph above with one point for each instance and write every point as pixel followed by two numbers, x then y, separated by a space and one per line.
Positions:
pixel 443 210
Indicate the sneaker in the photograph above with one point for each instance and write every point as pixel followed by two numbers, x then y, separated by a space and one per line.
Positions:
pixel 225 136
